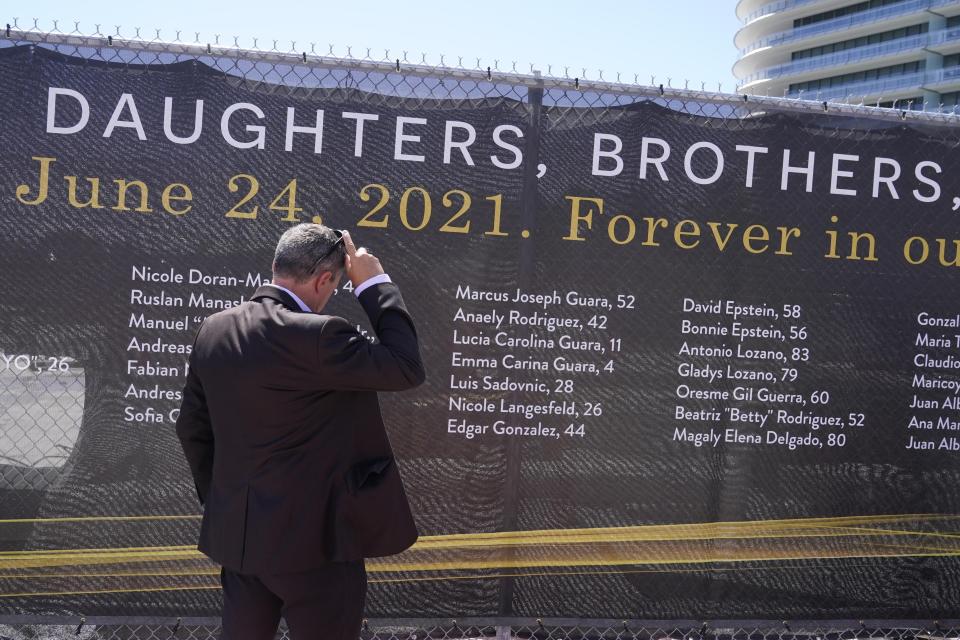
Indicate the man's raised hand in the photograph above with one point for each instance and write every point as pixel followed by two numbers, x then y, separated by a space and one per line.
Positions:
pixel 361 265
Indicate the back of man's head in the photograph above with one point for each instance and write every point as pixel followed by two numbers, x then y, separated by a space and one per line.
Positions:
pixel 299 248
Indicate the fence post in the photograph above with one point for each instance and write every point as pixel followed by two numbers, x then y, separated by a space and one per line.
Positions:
pixel 529 199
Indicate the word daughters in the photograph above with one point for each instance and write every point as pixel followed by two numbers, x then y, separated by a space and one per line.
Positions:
pixel 407 132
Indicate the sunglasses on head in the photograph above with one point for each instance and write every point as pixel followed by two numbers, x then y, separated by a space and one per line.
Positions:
pixel 329 252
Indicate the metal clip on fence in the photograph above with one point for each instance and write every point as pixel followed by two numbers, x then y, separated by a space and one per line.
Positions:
pixel 83 621
pixel 176 627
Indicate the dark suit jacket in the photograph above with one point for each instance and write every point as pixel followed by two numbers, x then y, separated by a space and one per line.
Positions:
pixel 282 429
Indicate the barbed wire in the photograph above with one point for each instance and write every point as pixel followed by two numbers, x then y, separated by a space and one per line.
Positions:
pixel 331 55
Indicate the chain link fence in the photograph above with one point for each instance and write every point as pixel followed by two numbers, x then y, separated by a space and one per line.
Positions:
pixel 313 67
pixel 476 629
pixel 43 397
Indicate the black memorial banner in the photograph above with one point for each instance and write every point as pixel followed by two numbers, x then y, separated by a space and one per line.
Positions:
pixel 679 367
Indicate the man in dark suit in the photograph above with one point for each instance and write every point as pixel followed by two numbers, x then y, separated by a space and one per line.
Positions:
pixel 282 429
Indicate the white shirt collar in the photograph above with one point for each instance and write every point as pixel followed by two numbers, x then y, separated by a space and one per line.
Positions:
pixel 303 307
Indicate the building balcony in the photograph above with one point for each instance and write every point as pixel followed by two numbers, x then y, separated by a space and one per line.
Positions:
pixel 774 7
pixel 868 53
pixel 869 17
pixel 941 78
pixel 886 88
pixel 944 40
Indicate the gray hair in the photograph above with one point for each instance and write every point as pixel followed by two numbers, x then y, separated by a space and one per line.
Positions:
pixel 298 250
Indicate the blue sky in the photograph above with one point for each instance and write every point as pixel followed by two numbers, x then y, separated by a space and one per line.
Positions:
pixel 680 39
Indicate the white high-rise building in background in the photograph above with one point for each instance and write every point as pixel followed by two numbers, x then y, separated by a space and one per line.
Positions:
pixel 895 53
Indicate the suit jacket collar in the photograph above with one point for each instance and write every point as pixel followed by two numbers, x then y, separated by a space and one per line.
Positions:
pixel 281 296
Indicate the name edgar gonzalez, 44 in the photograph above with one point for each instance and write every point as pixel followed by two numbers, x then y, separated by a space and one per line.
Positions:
pixel 281 426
